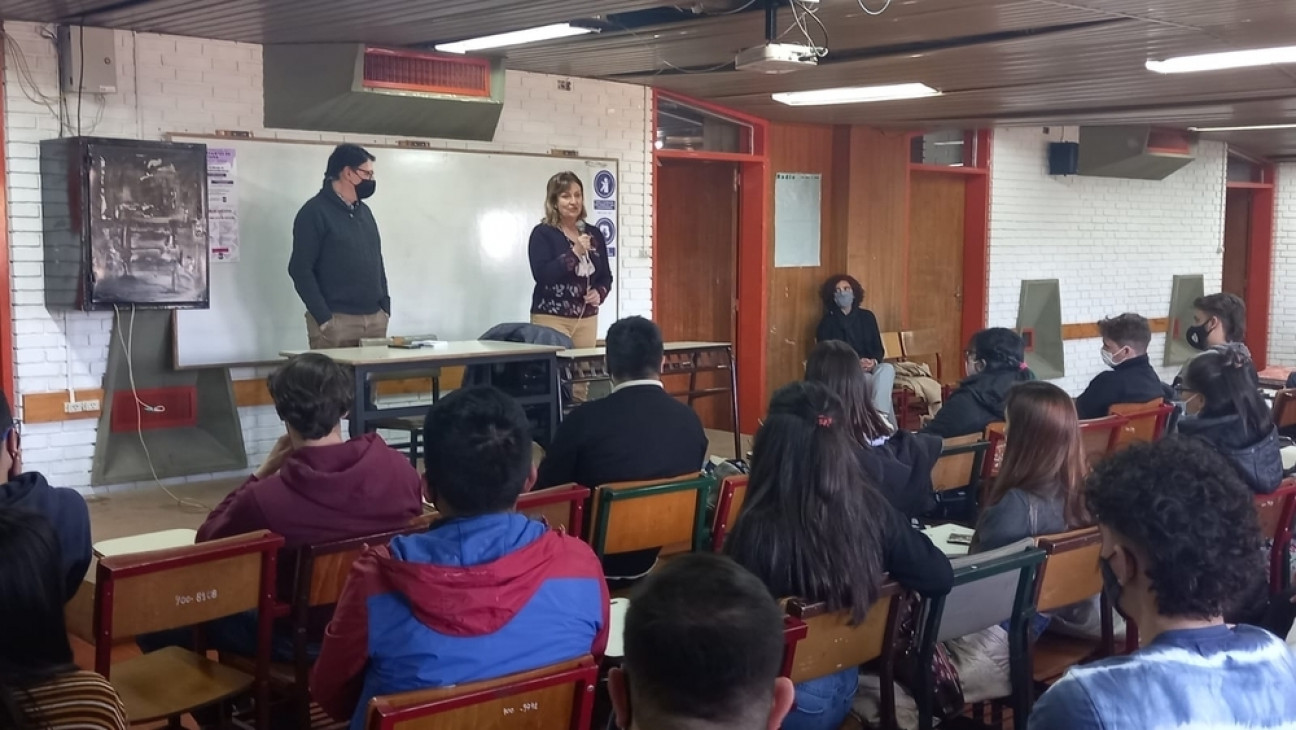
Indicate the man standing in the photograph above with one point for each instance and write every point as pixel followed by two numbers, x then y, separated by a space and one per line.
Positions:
pixel 336 263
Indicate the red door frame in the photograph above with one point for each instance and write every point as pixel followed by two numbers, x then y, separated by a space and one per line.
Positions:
pixel 6 279
pixel 753 260
pixel 1259 268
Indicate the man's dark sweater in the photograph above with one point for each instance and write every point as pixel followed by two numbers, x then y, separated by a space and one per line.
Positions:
pixel 67 514
pixel 336 262
pixel 1132 381
pixel 859 329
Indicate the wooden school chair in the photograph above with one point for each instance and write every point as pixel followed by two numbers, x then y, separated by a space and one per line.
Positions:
pixel 998 439
pixel 923 346
pixel 1284 408
pixel 1099 437
pixel 557 697
pixel 319 574
pixel 1146 421
pixel 892 350
pixel 666 514
pixel 1275 512
pixel 959 464
pixel 561 507
pixel 1069 575
pixel 832 642
pixel 733 492
pixel 990 588
pixel 141 593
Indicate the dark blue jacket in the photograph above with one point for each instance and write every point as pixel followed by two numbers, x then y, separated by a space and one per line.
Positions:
pixel 66 512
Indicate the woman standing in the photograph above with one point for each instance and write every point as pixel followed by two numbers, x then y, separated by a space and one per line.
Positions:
pixel 40 687
pixel 569 262
pixel 846 320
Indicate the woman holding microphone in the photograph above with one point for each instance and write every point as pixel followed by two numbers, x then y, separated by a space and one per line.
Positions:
pixel 569 261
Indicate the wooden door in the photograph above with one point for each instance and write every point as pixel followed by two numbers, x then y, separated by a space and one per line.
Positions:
pixel 1237 238
pixel 935 270
pixel 695 254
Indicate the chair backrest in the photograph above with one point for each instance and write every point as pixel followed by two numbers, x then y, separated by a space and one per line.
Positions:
pixel 923 345
pixel 1070 573
pixel 665 513
pixel 733 492
pixel 140 593
pixel 832 643
pixel 1284 408
pixel 1275 512
pixel 322 568
pixel 1146 421
pixel 997 438
pixel 891 347
pixel 960 463
pixel 561 507
pixel 559 697
pixel 1099 437
pixel 989 589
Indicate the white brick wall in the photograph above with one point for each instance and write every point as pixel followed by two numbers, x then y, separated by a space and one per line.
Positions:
pixel 1114 245
pixel 171 84
pixel 1282 307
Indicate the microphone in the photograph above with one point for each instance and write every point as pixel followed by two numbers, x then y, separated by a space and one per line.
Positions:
pixel 580 227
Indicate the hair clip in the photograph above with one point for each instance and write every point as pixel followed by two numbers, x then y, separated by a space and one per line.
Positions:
pixel 825 420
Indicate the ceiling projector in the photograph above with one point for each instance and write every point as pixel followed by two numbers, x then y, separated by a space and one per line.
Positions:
pixel 776 58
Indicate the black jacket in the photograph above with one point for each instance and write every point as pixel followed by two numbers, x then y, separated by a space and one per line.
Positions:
pixel 859 329
pixel 977 402
pixel 901 468
pixel 336 262
pixel 559 290
pixel 1133 381
pixel 1257 458
pixel 65 510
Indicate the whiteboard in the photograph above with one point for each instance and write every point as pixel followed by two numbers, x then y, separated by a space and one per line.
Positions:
pixel 454 228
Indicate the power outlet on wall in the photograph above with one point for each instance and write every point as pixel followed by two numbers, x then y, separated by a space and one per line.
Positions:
pixel 81 406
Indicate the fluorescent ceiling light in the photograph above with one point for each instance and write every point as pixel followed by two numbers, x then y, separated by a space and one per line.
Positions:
pixel 855 94
pixel 1224 60
pixel 514 38
pixel 1249 128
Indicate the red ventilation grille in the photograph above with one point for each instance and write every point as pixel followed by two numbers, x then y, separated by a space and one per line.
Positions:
pixel 1169 141
pixel 164 408
pixel 426 72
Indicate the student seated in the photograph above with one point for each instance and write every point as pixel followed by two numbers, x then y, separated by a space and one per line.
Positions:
pixel 899 463
pixel 485 592
pixel 1131 379
pixel 63 508
pixel 637 433
pixel 1218 319
pixel 315 486
pixel 1038 491
pixel 40 686
pixel 813 527
pixel 995 360
pixel 1221 394
pixel 1179 540
pixel 846 320
pixel 703 648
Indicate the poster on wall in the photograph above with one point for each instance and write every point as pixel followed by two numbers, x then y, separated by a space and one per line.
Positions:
pixel 604 214
pixel 796 219
pixel 222 204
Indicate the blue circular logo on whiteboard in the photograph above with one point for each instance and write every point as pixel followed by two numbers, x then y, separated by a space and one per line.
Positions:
pixel 604 184
pixel 608 229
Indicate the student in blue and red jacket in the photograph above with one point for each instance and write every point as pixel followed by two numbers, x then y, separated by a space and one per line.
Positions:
pixel 485 592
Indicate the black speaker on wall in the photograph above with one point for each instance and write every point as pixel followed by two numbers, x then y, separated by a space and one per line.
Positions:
pixel 1064 158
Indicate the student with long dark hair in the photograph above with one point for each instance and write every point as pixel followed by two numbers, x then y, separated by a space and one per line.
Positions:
pixel 996 361
pixel 40 687
pixel 1221 392
pixel 898 462
pixel 846 320
pixel 813 527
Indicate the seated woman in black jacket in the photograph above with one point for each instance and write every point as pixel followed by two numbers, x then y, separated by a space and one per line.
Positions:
pixel 1221 392
pixel 995 361
pixel 898 462
pixel 845 320
pixel 813 527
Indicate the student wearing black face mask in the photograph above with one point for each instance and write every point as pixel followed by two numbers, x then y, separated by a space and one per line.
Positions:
pixel 336 263
pixel 1218 319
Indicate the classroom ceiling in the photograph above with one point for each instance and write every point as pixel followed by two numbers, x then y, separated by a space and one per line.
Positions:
pixel 1019 62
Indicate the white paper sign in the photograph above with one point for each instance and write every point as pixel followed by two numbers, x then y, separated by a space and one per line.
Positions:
pixel 222 205
pixel 796 219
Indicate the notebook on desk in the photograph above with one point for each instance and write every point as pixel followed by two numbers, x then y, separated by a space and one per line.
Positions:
pixel 162 540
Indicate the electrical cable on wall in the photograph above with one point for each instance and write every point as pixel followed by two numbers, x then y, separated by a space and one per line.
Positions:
pixel 870 11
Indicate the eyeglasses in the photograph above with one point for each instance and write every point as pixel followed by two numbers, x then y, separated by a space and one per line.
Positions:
pixel 366 174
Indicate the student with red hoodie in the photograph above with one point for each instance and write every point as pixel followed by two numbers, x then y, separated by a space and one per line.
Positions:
pixel 485 592
pixel 315 486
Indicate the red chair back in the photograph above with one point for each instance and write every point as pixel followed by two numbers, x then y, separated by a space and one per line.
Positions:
pixel 1276 511
pixel 733 491
pixel 1100 436
pixel 994 433
pixel 561 507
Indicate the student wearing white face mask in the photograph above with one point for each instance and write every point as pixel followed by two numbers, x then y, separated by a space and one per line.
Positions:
pixel 1131 378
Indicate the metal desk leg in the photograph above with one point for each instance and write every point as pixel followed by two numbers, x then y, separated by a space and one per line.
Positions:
pixel 693 372
pixel 733 402
pixel 555 403
pixel 358 406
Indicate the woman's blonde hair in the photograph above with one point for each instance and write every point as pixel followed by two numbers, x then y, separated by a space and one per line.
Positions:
pixel 558 184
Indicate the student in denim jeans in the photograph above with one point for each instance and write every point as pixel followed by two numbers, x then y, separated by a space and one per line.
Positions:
pixel 813 527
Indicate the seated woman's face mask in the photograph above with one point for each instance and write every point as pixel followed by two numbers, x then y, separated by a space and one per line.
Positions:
pixel 843 298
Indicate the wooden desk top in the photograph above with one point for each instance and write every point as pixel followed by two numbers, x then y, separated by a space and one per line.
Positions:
pixel 467 350
pixel 584 352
